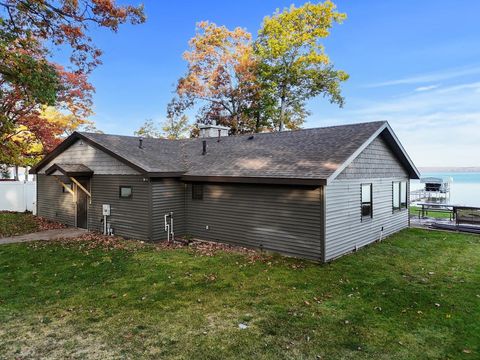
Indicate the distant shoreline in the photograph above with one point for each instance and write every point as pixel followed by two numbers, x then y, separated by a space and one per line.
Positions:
pixel 441 169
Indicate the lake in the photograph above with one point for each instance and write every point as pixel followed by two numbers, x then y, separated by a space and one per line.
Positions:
pixel 465 188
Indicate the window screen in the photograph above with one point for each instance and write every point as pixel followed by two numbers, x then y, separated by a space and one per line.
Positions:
pixel 366 200
pixel 396 195
pixel 403 194
pixel 399 195
pixel 125 192
pixel 197 191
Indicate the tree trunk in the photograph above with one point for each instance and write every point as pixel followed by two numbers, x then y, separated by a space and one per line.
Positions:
pixel 257 121
pixel 282 113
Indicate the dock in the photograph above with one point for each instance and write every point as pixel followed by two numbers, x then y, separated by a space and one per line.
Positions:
pixel 435 190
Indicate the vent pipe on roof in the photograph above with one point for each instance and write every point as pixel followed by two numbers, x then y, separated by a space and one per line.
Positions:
pixel 140 143
pixel 204 145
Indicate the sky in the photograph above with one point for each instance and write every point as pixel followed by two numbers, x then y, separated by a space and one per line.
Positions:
pixel 413 63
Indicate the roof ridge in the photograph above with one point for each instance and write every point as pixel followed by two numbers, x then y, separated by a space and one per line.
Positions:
pixel 276 133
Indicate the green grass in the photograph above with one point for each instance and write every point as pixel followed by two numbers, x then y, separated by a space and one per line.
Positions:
pixel 16 224
pixel 414 296
pixel 432 214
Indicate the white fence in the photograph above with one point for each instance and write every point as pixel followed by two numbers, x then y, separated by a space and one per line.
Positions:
pixel 18 196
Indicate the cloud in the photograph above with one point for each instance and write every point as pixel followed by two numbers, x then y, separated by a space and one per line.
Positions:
pixel 439 127
pixel 426 88
pixel 431 77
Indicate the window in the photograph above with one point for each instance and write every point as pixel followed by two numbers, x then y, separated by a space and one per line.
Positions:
pixel 403 194
pixel 366 190
pixel 197 191
pixel 65 191
pixel 399 195
pixel 125 192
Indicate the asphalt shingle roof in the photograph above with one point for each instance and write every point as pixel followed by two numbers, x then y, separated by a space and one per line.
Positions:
pixel 70 168
pixel 302 154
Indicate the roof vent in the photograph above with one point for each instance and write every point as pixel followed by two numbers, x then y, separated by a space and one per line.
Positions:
pixel 250 137
pixel 204 147
pixel 140 143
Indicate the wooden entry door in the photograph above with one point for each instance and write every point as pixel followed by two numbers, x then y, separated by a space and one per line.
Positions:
pixel 82 205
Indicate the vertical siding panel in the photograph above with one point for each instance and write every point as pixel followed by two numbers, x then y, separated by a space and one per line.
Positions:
pixel 283 219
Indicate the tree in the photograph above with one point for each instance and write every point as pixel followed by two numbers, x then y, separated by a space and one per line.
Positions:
pixel 176 128
pixel 26 24
pixel 220 76
pixel 176 125
pixel 5 172
pixel 28 132
pixel 293 66
pixel 148 130
pixel 29 81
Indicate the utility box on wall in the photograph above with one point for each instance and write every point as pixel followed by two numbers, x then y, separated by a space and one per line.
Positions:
pixel 106 209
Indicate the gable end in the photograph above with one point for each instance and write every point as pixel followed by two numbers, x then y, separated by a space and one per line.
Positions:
pixel 80 152
pixel 377 160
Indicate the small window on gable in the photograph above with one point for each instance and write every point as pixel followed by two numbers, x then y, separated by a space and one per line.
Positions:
pixel 197 191
pixel 399 195
pixel 125 192
pixel 367 201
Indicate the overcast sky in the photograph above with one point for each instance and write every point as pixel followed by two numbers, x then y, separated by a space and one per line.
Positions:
pixel 413 63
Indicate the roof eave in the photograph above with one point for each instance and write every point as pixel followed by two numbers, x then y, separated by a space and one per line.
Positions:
pixel 254 180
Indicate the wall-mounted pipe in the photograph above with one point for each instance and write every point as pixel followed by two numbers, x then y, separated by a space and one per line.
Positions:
pixel 168 219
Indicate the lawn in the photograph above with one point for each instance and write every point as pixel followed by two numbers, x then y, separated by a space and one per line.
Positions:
pixel 16 224
pixel 414 296
pixel 432 214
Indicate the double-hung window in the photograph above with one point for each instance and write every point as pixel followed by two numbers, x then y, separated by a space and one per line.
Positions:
pixel 399 195
pixel 367 201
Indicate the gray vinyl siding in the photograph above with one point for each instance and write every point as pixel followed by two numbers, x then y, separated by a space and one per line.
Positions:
pixel 344 229
pixel 97 160
pixel 129 217
pixel 376 161
pixel 168 195
pixel 282 219
pixel 53 203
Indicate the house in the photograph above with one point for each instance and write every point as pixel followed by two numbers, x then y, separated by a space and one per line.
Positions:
pixel 312 193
